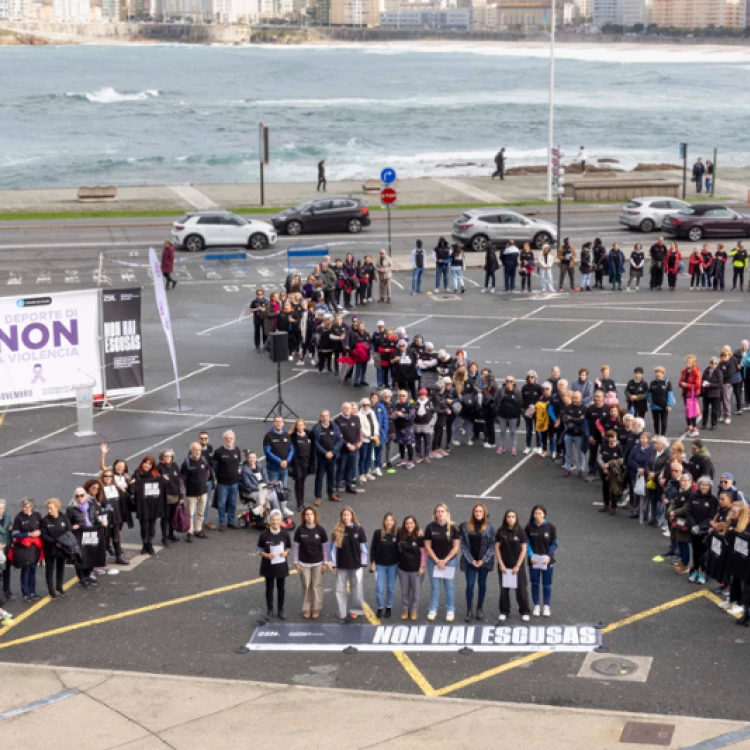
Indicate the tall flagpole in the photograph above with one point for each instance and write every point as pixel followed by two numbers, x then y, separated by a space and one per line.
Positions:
pixel 551 101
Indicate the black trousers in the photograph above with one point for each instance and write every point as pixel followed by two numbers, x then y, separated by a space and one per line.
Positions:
pixel 522 594
pixel 610 500
pixel 657 277
pixel 699 550
pixel 259 333
pixel 148 531
pixel 324 360
pixel 660 421
pixel 55 573
pixel 438 432
pixel 169 282
pixel 166 521
pixel 280 591
pixel 738 274
pixel 299 491
pixel 710 403
pixel 115 538
pixel 639 408
pixel 6 580
pixel 599 277
pixel 321 184
pixel 330 298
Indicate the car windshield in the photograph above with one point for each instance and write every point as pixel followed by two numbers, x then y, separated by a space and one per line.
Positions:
pixel 304 206
pixel 633 204
pixel 688 211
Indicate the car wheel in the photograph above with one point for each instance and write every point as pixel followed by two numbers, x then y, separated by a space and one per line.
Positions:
pixel 695 234
pixel 479 243
pixel 354 226
pixel 293 228
pixel 194 243
pixel 647 225
pixel 258 242
pixel 542 239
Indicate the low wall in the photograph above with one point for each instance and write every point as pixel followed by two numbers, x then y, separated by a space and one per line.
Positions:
pixel 620 190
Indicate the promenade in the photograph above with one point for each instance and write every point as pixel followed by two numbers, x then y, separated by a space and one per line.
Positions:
pixel 733 184
pixel 78 709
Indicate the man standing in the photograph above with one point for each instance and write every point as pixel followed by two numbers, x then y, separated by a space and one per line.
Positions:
pixel 417 267
pixel 330 281
pixel 350 428
pixel 194 472
pixel 207 452
pixel 328 445
pixel 699 169
pixel 499 164
pixel 442 257
pixel 585 387
pixel 739 263
pixel 566 255
pixel 581 159
pixel 385 274
pixel 227 462
pixel 658 254
pixel 277 445
pixel 573 418
pixel 258 308
pixel 322 175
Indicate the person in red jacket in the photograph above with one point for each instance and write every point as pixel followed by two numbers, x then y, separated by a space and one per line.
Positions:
pixel 690 382
pixel 707 266
pixel 673 260
pixel 167 265
pixel 695 268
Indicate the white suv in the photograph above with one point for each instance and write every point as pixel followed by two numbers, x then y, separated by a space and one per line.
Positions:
pixel 198 230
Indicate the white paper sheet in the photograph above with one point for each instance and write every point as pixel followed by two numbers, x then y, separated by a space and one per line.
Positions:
pixel 447 572
pixel 510 580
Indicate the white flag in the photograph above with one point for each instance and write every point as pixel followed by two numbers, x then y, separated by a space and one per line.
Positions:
pixel 163 305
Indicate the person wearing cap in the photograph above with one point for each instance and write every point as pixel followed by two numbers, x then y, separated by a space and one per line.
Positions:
pixel 727 484
pixel 370 433
pixel 711 388
pixel 424 422
pixel 274 546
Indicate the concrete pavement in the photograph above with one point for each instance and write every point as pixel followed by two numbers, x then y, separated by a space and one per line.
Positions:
pixel 732 183
pixel 102 709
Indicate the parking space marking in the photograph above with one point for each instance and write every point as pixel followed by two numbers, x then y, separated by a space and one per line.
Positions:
pixel 34 608
pixel 533 312
pixel 418 320
pixel 563 347
pixel 497 328
pixel 687 326
pixel 507 474
pixel 216 328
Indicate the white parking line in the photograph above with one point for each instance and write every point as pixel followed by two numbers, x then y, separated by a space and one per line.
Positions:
pixel 497 328
pixel 686 326
pixel 507 474
pixel 563 347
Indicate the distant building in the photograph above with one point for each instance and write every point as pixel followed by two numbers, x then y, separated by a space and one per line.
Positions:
pixel 17 10
pixel 586 7
pixel 4 10
pixel 699 14
pixel 607 12
pixel 355 13
pixel 571 14
pixel 72 11
pixel 428 17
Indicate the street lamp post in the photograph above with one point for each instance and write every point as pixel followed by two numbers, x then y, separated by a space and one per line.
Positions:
pixel 551 101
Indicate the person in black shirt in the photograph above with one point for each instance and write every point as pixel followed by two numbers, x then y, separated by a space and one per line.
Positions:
pixel 303 462
pixel 328 445
pixel 477 551
pixel 611 469
pixel 605 383
pixel 310 560
pixel 442 542
pixel 207 451
pixel 258 309
pixel 510 551
pixel 321 176
pixel 702 506
pixel 194 472
pixel 279 452
pixel 115 503
pixel 350 428
pixel 274 546
pixel 53 526
pixel 227 462
pixel 636 394
pixel 411 566
pixel 171 473
pixel 658 254
pixel 599 256
pixel 531 393
pixel 637 261
pixel 84 513
pixel 711 388
pixel 573 418
pixel 348 558
pixel 541 548
pixel 384 563
pixel 661 400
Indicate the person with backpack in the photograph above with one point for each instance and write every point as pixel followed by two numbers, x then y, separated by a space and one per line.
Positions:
pixel 442 257
pixel 418 256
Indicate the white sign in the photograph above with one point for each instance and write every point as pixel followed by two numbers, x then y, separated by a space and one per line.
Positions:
pixel 49 346
pixel 161 302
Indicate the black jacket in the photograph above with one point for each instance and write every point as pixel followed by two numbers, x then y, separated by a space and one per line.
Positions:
pixel 53 530
pixel 302 465
pixel 715 381
pixel 508 404
pixel 77 517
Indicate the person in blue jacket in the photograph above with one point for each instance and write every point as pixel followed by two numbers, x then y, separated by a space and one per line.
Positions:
pixel 641 456
pixel 328 444
pixel 509 257
pixel 542 545
pixel 279 450
pixel 616 263
pixel 381 414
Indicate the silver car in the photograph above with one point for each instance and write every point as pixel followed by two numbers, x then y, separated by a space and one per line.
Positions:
pixel 647 214
pixel 476 228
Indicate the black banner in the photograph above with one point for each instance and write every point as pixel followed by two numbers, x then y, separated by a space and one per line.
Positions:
pixel 93 543
pixel 123 362
pixel 496 638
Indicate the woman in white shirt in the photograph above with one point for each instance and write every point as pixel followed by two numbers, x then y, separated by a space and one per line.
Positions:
pixel 370 437
pixel 545 269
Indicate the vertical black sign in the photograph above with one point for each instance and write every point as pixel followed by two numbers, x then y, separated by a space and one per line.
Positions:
pixel 123 360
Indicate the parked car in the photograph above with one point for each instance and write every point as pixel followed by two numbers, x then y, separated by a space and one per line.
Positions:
pixel 647 214
pixel 475 228
pixel 706 220
pixel 338 213
pixel 198 230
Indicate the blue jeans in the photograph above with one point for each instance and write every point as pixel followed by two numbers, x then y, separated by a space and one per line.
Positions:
pixel 227 500
pixel 510 278
pixel 365 458
pixel 209 499
pixel 472 576
pixel 458 277
pixel 449 586
pixel 360 370
pixel 385 578
pixel 327 467
pixel 378 457
pixel 346 468
pixel 546 578
pixel 278 475
pixel 489 276
pixel 441 272
pixel 570 441
pixel 698 184
pixel 531 430
pixel 416 280
pixel 684 548
pixel 28 580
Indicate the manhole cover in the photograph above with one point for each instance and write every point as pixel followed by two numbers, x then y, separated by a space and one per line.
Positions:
pixel 640 733
pixel 613 666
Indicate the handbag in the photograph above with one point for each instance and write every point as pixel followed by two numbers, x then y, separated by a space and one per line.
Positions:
pixel 640 485
pixel 692 406
pixel 530 411
pixel 181 519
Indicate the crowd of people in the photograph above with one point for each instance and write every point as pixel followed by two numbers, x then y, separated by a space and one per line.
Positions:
pixel 427 403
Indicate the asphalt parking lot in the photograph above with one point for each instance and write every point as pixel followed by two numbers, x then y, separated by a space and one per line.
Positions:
pixel 186 610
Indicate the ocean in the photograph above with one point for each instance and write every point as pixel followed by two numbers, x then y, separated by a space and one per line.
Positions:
pixel 156 114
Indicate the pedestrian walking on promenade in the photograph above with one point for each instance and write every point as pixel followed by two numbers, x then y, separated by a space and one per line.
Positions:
pixel 699 170
pixel 499 165
pixel 322 176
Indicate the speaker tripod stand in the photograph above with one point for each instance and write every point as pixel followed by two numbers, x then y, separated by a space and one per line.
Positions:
pixel 280 408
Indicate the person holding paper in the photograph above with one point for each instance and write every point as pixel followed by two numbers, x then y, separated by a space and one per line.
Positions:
pixel 441 543
pixel 510 551
pixel 274 546
pixel 541 548
pixel 477 551
pixel 349 555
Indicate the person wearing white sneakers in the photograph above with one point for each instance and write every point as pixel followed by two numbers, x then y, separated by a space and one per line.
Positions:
pixel 370 432
pixel 442 541
pixel 738 561
pixel 510 551
pixel 509 412
pixel 531 393
pixel 542 545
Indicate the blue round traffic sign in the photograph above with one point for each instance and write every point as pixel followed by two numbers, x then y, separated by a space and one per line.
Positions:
pixel 387 176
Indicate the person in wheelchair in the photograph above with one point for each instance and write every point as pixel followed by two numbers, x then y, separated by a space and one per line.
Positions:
pixel 257 492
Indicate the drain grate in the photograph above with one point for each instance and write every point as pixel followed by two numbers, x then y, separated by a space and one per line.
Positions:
pixel 640 733
pixel 615 666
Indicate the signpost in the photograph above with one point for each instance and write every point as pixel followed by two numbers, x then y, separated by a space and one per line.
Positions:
pixel 264 157
pixel 388 197
pixel 558 185
pixel 683 156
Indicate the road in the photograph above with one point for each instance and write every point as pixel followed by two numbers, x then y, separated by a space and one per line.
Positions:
pixel 67 253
